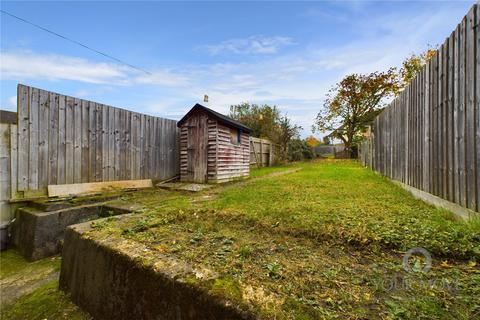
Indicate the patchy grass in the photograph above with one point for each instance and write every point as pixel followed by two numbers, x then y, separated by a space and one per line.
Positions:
pixel 12 263
pixel 47 302
pixel 18 276
pixel 324 242
pixel 342 200
pixel 259 172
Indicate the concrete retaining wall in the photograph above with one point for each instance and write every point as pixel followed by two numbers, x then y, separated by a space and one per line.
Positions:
pixel 39 234
pixel 121 279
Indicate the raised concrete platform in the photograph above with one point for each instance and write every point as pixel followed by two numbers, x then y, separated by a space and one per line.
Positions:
pixel 117 278
pixel 39 228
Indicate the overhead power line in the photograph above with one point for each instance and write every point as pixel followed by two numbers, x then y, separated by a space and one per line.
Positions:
pixel 74 41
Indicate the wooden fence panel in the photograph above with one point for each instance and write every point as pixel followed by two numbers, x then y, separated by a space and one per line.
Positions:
pixel 263 152
pixel 429 136
pixel 64 140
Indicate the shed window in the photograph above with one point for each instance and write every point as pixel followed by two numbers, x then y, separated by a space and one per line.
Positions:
pixel 235 135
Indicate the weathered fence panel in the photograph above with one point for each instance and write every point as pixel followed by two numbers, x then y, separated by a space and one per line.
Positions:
pixel 63 140
pixel 8 135
pixel 263 152
pixel 429 136
pixel 336 151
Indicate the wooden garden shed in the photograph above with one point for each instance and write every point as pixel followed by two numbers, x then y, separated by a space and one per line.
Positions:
pixel 213 147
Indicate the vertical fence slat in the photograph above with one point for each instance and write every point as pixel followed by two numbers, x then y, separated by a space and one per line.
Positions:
pixel 23 137
pixel 92 140
pixel 443 121
pixel 117 143
pixel 128 129
pixel 461 115
pixel 13 160
pixel 426 130
pixel 69 140
pixel 142 146
pixel 122 144
pixel 477 104
pixel 450 120
pixel 99 142
pixel 61 141
pixel 105 161
pixel 77 141
pixel 43 122
pixel 434 105
pixel 85 141
pixel 469 110
pixel 111 143
pixel 456 103
pixel 33 140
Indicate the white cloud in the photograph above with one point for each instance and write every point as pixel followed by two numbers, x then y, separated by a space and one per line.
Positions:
pixel 82 93
pixel 21 65
pixel 255 44
pixel 162 78
pixel 28 65
pixel 12 102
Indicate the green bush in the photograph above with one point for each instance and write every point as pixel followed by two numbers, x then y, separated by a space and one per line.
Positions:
pixel 299 150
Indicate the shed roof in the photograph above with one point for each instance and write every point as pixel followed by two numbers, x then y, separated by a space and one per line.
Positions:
pixel 220 117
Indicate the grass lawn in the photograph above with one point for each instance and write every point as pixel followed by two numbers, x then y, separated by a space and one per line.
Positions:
pixel 324 242
pixel 39 299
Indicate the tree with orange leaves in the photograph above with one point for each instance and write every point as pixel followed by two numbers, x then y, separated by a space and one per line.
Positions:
pixel 312 142
pixel 353 102
pixel 413 65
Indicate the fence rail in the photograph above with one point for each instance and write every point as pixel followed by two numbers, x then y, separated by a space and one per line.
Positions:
pixel 64 140
pixel 429 137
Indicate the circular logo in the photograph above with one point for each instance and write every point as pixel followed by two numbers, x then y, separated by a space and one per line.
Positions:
pixel 413 262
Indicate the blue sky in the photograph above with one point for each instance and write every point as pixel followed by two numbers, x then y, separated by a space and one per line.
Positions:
pixel 280 53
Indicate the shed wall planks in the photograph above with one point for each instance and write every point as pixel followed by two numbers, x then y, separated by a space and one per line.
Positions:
pixel 207 153
pixel 64 140
pixel 429 136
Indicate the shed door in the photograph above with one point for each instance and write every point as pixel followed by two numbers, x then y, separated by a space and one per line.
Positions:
pixel 197 141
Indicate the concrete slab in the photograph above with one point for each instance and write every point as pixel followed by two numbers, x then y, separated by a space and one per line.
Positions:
pixel 58 204
pixel 184 186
